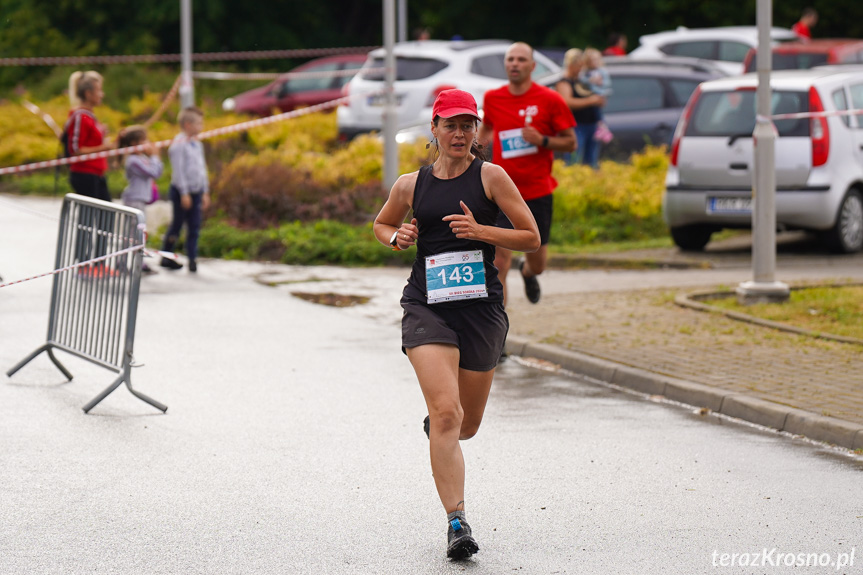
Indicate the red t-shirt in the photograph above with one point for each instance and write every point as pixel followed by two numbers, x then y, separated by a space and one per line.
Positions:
pixel 85 132
pixel 529 166
pixel 614 51
pixel 802 30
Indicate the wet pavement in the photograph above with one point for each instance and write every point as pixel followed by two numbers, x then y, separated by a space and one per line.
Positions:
pixel 293 444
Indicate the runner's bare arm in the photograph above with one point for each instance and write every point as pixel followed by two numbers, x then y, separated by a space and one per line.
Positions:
pixel 563 141
pixel 501 190
pixel 395 210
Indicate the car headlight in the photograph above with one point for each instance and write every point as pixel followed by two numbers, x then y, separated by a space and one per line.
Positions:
pixel 229 105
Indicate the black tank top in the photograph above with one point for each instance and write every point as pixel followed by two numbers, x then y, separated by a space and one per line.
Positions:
pixel 435 198
pixel 589 115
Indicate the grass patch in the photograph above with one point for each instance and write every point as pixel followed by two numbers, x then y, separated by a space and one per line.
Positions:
pixel 833 310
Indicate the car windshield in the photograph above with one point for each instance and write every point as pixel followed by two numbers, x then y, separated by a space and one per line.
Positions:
pixel 801 61
pixel 406 69
pixel 732 114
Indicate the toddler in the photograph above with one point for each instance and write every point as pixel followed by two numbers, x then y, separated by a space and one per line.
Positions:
pixel 141 170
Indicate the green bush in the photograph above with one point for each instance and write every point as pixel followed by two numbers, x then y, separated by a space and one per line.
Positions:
pixel 297 243
pixel 618 202
pixel 290 191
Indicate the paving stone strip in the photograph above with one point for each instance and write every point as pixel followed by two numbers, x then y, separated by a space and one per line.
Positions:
pixel 642 339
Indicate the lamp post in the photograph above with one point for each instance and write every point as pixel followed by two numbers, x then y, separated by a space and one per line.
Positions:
pixel 391 158
pixel 763 287
pixel 187 87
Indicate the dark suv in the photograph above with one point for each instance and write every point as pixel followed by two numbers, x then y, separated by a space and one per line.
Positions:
pixel 647 99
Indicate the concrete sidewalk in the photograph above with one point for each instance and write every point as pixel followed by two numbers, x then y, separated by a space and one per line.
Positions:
pixel 642 340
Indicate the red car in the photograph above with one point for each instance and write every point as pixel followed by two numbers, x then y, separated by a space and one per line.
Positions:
pixel 288 93
pixel 803 55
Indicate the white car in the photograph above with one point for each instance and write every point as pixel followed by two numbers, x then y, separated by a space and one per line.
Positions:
pixel 725 46
pixel 819 161
pixel 424 69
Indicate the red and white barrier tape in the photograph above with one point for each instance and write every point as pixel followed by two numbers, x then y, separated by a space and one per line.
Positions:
pixel 58 131
pixel 279 75
pixel 164 143
pixel 74 266
pixel 169 97
pixel 199 57
pixel 124 239
pixel 800 115
pixel 37 213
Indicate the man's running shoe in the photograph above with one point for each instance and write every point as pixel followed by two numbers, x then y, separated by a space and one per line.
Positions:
pixel 531 285
pixel 460 543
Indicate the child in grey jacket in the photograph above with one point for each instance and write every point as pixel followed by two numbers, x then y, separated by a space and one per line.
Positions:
pixel 190 187
pixel 141 169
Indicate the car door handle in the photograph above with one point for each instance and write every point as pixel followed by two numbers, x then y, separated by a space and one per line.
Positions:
pixel 739 166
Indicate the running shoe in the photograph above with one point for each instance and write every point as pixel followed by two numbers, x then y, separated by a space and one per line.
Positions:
pixel 460 543
pixel 170 264
pixel 193 266
pixel 531 285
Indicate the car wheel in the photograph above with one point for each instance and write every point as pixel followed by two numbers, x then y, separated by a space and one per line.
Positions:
pixel 691 238
pixel 847 235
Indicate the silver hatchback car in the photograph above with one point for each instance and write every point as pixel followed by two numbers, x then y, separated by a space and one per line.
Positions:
pixel 819 160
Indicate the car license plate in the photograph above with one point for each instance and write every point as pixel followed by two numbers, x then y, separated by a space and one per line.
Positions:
pixel 722 205
pixel 379 100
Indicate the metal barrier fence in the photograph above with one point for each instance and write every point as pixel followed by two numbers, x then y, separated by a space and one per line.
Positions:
pixel 94 298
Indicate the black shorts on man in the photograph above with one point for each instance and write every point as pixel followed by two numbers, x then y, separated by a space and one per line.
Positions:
pixel 541 209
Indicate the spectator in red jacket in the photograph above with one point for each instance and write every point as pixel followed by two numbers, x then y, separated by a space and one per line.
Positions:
pixel 85 135
pixel 616 45
pixel 803 27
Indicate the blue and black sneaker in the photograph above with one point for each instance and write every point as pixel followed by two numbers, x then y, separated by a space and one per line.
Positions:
pixel 460 543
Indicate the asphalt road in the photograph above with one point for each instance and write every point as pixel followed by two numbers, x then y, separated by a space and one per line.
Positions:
pixel 293 444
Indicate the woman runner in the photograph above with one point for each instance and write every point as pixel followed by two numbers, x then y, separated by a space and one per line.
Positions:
pixel 454 325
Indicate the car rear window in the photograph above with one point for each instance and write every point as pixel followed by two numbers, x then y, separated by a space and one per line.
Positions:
pixel 733 51
pixel 490 65
pixel 406 69
pixel 790 61
pixel 694 49
pixel 633 94
pixel 682 90
pixel 732 113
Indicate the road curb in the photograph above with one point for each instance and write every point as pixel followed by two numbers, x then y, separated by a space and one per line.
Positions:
pixel 732 404
pixel 592 261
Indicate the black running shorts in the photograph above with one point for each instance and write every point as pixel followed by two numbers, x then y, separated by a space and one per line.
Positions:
pixel 478 330
pixel 541 210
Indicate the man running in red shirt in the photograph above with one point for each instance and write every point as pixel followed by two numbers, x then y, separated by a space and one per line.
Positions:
pixel 527 123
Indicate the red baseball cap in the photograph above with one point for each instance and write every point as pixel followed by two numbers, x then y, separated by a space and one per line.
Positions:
pixel 451 103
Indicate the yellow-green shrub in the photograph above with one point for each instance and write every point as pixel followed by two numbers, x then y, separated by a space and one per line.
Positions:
pixel 617 202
